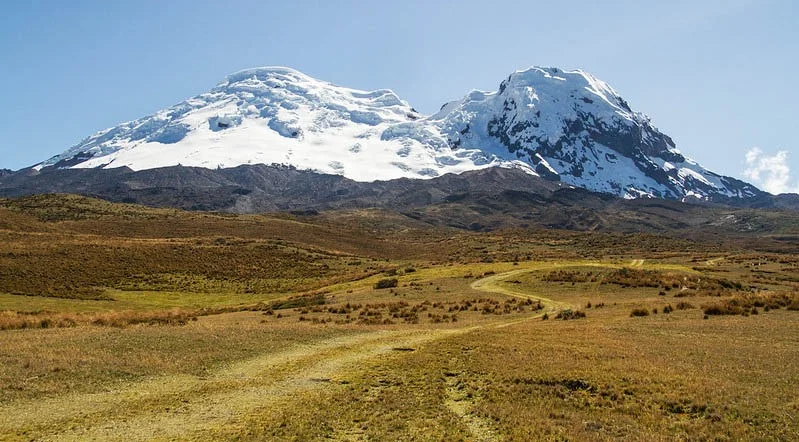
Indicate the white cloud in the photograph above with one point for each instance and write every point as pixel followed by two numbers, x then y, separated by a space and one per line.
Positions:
pixel 770 172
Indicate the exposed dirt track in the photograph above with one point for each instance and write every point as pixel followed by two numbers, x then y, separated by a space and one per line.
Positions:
pixel 177 406
pixel 637 263
pixel 183 406
pixel 492 284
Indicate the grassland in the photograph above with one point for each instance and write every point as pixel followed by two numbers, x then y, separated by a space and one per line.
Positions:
pixel 125 323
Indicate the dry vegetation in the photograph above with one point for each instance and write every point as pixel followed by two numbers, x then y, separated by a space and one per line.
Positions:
pixel 118 320
pixel 630 277
pixel 12 320
pixel 745 304
pixel 403 312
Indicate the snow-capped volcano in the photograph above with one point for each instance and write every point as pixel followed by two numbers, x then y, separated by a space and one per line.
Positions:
pixel 277 115
pixel 562 125
pixel 570 126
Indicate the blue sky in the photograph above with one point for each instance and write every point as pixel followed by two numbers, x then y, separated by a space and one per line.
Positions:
pixel 718 76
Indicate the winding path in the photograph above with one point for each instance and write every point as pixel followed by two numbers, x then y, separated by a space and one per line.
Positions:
pixel 182 406
pixel 491 284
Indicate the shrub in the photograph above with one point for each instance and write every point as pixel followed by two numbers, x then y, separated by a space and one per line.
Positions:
pixel 10 320
pixel 744 304
pixel 718 309
pixel 386 283
pixel 639 312
pixel 570 314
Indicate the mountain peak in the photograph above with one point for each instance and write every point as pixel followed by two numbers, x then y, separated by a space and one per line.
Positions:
pixel 264 72
pixel 564 125
pixel 575 84
pixel 276 115
pixel 265 79
pixel 571 126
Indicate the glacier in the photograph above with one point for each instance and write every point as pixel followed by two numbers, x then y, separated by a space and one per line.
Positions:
pixel 561 125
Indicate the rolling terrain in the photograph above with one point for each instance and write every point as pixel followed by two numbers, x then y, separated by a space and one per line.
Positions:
pixel 120 321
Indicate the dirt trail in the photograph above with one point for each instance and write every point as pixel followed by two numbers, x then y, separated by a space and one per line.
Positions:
pixel 460 404
pixel 177 406
pixel 491 284
pixel 180 406
pixel 637 263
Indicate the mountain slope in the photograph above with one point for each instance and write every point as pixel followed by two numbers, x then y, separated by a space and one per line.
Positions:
pixel 482 200
pixel 573 127
pixel 260 188
pixel 562 125
pixel 276 116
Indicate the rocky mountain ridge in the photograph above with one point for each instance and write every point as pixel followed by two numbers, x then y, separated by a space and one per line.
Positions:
pixel 564 126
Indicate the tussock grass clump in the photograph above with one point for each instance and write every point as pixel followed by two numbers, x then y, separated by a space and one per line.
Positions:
pixel 685 406
pixel 124 319
pixel 26 320
pixel 745 304
pixel 570 314
pixel 568 384
pixel 386 283
pixel 10 320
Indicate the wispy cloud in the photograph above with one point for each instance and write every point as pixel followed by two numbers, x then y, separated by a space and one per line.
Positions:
pixel 770 172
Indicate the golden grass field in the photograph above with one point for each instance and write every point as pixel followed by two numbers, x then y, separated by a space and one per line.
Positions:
pixel 125 323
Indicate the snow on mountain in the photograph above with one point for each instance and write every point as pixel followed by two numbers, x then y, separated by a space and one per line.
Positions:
pixel 281 116
pixel 562 125
pixel 573 127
